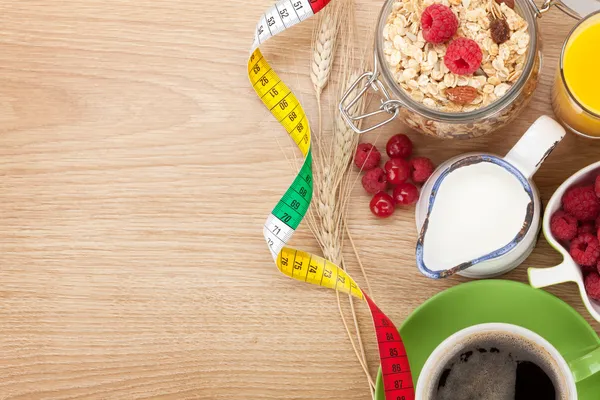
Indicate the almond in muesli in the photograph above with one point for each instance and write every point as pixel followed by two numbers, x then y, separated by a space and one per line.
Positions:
pixel 461 94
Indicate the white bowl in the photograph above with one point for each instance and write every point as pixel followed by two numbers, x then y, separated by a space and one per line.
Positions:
pixel 568 270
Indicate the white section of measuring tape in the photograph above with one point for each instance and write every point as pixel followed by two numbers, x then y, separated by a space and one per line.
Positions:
pixel 279 17
pixel 277 233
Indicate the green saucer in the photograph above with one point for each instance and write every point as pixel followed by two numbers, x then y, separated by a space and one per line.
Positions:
pixel 510 302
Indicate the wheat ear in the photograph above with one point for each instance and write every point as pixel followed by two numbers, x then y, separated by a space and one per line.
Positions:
pixel 344 145
pixel 323 51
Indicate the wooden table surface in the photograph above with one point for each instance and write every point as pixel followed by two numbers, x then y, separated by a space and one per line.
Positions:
pixel 137 169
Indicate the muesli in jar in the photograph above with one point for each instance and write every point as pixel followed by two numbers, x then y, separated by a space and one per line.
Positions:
pixel 455 55
pixel 469 95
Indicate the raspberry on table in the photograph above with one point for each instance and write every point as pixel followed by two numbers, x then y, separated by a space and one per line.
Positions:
pixel 463 56
pixel 375 181
pixel 582 203
pixel 367 156
pixel 592 285
pixel 422 168
pixel 597 186
pixel 405 194
pixel 585 250
pixel 586 227
pixel 563 226
pixel 397 170
pixel 399 146
pixel 439 23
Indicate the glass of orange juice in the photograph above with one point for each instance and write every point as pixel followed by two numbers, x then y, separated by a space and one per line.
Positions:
pixel 576 90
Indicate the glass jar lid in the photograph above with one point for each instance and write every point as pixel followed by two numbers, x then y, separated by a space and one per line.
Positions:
pixel 576 8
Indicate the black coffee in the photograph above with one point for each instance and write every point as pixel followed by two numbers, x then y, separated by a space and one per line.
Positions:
pixel 498 369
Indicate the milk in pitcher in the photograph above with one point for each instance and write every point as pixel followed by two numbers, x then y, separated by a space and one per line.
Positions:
pixel 478 210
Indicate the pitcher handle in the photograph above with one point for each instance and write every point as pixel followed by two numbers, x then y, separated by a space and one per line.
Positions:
pixel 535 145
pixel 586 366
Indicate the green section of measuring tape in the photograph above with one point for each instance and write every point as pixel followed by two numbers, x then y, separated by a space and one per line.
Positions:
pixel 294 204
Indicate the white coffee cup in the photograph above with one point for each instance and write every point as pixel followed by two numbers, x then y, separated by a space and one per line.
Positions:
pixel 563 378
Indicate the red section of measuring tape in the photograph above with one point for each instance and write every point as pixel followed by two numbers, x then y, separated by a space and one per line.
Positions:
pixel 317 5
pixel 395 369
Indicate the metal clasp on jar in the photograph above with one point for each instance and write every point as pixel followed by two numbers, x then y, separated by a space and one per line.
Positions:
pixel 388 105
pixel 565 7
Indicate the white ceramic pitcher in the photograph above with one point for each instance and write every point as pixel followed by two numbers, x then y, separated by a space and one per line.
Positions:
pixel 521 163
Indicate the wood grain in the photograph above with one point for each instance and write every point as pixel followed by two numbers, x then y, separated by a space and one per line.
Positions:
pixel 137 169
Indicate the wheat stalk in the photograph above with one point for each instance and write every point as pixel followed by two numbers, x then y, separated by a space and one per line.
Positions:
pixel 344 145
pixel 332 183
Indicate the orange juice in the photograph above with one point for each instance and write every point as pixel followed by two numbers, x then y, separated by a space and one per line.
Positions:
pixel 576 92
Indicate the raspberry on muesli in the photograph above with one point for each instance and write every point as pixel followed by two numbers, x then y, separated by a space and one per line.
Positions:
pixel 439 23
pixel 463 56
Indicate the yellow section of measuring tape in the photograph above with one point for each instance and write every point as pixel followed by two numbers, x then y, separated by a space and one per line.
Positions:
pixel 296 264
pixel 273 93
pixel 309 268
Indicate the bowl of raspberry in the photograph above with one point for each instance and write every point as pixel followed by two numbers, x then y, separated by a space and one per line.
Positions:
pixel 458 69
pixel 571 225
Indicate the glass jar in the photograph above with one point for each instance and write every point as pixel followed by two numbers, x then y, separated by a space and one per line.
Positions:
pixel 573 114
pixel 396 103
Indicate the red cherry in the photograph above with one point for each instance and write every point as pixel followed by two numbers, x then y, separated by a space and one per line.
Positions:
pixel 406 194
pixel 399 146
pixel 397 170
pixel 382 205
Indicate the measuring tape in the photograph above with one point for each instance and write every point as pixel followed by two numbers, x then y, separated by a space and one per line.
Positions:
pixel 292 207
